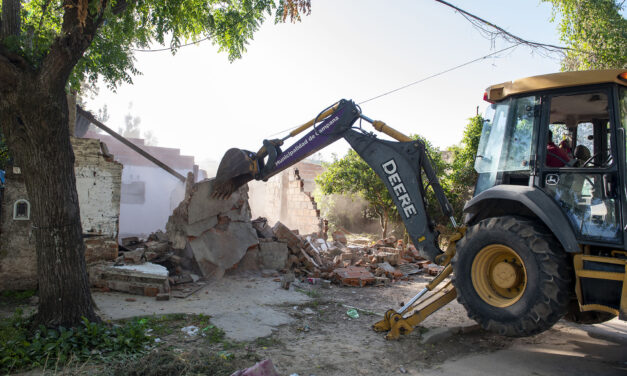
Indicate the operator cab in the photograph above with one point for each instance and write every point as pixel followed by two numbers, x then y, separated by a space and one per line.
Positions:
pixel 564 134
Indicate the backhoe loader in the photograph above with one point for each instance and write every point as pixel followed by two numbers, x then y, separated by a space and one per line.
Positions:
pixel 543 236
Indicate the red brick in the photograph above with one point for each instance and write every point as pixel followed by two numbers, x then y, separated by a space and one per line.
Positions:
pixel 354 276
pixel 151 291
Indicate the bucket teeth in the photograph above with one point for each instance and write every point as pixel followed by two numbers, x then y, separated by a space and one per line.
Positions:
pixel 235 169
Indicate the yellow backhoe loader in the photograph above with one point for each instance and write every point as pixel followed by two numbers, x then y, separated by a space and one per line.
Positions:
pixel 544 236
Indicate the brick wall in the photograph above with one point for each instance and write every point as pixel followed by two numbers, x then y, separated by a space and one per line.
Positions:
pixel 302 210
pixel 18 265
pixel 288 197
pixel 98 182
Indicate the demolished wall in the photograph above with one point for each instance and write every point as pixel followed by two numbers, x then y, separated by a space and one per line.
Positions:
pixel 216 232
pixel 149 193
pixel 98 181
pixel 288 197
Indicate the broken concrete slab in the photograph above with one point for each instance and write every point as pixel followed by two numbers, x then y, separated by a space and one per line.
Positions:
pixel 217 250
pixel 250 261
pixel 282 232
pixel 134 257
pixel 216 233
pixel 273 255
pixel 386 268
pixel 147 279
pixel 264 231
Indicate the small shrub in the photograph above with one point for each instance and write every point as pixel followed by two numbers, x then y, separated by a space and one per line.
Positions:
pixel 22 347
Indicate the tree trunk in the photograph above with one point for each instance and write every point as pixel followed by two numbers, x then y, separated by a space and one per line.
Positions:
pixel 384 224
pixel 10 18
pixel 34 119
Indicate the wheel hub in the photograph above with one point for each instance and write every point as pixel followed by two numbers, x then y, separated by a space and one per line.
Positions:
pixel 505 275
pixel 498 275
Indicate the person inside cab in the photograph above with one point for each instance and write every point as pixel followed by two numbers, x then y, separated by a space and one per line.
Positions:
pixel 556 156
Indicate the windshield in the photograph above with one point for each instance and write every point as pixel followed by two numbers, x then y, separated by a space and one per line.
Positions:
pixel 506 138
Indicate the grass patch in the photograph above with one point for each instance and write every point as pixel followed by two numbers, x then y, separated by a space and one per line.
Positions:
pixel 268 342
pixel 313 293
pixel 170 363
pixel 16 297
pixel 23 347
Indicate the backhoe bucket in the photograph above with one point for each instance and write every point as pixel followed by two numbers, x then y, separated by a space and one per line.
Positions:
pixel 236 169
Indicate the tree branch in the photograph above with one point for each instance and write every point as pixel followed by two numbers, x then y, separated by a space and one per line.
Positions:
pixel 66 50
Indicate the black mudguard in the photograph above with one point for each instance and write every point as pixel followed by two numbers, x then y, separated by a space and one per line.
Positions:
pixel 532 198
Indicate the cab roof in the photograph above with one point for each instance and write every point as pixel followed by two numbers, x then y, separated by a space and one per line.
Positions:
pixel 555 81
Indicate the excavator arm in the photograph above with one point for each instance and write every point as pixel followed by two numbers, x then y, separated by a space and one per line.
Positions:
pixel 400 164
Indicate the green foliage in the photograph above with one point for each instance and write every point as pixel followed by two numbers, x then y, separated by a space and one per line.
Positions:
pixel 352 175
pixel 23 348
pixel 595 31
pixel 441 167
pixel 16 296
pixel 462 178
pixel 132 25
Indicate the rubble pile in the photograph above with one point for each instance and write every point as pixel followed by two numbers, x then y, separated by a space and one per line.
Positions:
pixel 206 238
pixel 357 263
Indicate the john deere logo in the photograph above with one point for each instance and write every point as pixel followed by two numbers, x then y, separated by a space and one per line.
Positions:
pixel 552 179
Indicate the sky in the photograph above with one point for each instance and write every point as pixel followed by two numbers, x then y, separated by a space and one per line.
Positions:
pixel 355 49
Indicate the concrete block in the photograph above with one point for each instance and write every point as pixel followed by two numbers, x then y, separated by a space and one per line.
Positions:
pixel 273 255
pixel 282 232
pixel 250 261
pixel 100 249
pixel 219 249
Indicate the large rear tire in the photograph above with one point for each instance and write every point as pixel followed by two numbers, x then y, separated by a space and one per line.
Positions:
pixel 512 276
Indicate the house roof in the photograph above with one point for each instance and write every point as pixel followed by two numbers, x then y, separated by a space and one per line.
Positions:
pixel 127 156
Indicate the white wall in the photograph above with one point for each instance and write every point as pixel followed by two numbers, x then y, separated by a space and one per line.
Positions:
pixel 163 193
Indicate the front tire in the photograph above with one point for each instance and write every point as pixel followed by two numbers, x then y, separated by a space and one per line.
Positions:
pixel 512 276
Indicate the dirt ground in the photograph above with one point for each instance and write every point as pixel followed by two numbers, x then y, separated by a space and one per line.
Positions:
pixel 306 331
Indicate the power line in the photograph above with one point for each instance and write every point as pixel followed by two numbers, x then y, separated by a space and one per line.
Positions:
pixel 440 73
pixel 418 81
pixel 476 21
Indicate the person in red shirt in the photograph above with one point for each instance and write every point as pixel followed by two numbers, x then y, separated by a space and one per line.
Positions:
pixel 555 157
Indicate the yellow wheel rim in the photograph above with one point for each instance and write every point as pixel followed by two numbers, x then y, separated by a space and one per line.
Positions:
pixel 498 275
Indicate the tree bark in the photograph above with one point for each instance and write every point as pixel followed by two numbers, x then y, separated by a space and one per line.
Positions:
pixel 10 18
pixel 383 220
pixel 34 119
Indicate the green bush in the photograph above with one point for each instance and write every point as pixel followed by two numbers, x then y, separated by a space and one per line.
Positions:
pixel 22 347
